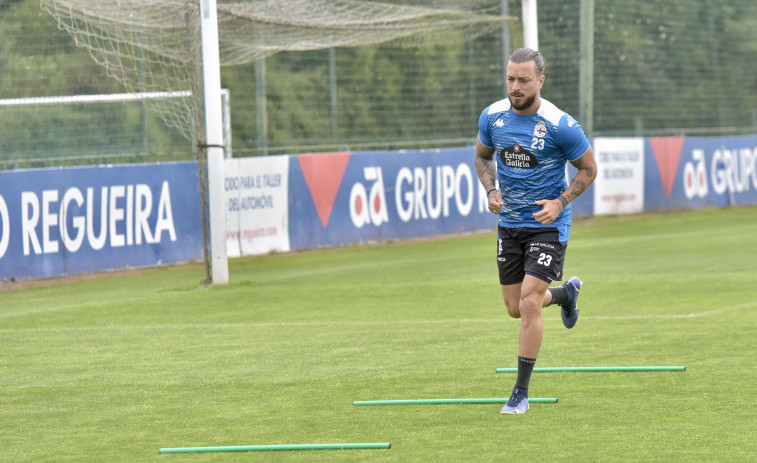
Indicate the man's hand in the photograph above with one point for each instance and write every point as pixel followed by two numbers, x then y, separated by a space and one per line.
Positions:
pixel 551 208
pixel 495 201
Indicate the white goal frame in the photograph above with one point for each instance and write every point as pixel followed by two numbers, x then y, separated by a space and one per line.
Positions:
pixel 67 13
pixel 125 98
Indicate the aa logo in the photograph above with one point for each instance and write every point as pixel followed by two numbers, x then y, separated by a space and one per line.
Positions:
pixel 369 206
pixel 695 176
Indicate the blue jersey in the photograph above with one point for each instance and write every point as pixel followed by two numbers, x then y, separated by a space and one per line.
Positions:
pixel 531 155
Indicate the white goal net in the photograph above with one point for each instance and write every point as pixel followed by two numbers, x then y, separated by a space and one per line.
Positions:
pixel 154 46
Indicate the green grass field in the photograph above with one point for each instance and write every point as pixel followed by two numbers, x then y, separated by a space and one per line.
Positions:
pixel 115 368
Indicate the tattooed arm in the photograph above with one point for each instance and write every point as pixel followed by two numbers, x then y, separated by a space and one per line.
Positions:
pixel 587 172
pixel 486 168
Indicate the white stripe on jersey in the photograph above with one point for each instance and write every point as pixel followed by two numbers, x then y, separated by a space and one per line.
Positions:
pixel 500 106
pixel 550 112
pixel 547 110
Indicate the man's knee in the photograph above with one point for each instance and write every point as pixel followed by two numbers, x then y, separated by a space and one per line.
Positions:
pixel 530 305
pixel 513 308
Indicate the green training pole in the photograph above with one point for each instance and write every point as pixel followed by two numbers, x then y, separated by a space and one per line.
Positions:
pixel 448 401
pixel 262 448
pixel 559 369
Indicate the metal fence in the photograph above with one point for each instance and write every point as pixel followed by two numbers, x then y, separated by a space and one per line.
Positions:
pixel 649 68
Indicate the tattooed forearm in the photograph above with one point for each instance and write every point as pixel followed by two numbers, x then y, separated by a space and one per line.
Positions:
pixel 486 168
pixel 587 172
pixel 584 177
pixel 578 187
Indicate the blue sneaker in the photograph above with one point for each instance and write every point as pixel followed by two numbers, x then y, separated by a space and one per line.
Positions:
pixel 569 311
pixel 518 403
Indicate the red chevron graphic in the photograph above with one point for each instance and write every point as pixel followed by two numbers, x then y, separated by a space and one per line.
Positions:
pixel 323 174
pixel 667 153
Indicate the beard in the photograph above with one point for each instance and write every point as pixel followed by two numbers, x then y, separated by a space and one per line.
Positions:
pixel 526 103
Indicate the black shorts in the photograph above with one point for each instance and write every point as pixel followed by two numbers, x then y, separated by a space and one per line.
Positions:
pixel 529 251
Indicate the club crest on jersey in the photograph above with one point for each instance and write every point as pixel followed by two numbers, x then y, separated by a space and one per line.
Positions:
pixel 518 157
pixel 540 130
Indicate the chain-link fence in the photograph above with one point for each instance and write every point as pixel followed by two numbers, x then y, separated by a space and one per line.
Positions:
pixel 656 68
pixel 660 67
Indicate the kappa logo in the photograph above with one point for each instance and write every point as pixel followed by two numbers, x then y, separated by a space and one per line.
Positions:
pixel 540 130
pixel 499 123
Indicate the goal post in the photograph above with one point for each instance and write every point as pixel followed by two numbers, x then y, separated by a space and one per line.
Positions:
pixel 116 98
pixel 530 24
pixel 217 149
pixel 102 98
pixel 178 45
pixel 214 144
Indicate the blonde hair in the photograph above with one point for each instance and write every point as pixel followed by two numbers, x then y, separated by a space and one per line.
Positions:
pixel 524 55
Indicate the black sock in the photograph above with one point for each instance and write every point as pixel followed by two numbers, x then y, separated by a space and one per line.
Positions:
pixel 525 368
pixel 559 295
